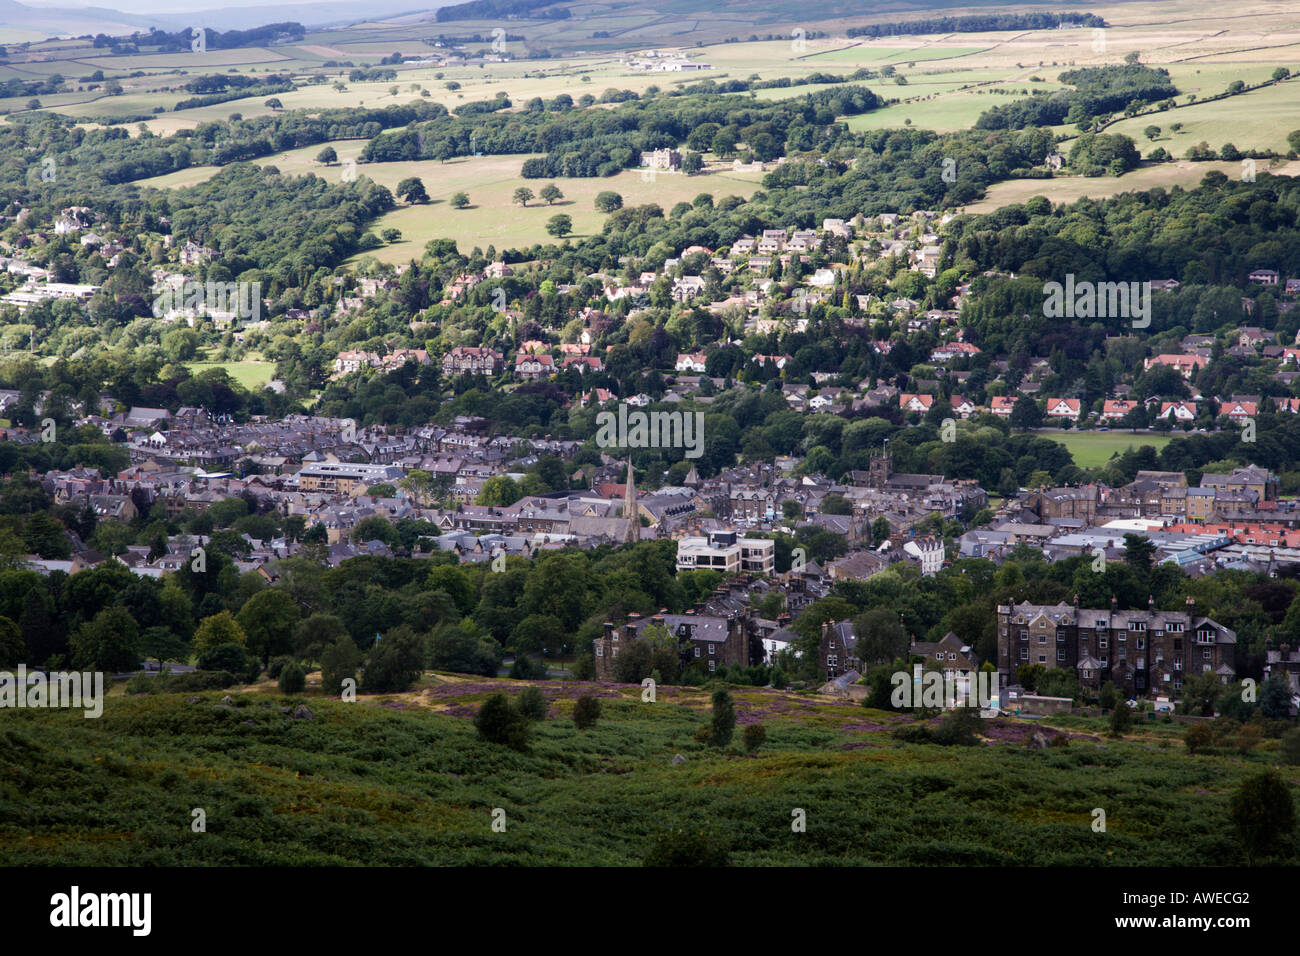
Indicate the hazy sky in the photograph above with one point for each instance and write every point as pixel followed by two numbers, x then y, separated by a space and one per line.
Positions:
pixel 173 6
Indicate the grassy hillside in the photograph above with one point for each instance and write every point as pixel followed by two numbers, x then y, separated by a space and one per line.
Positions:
pixel 405 780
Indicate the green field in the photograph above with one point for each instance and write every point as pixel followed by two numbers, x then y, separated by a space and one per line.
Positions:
pixel 1067 189
pixel 1092 449
pixel 251 374
pixel 404 780
pixel 490 182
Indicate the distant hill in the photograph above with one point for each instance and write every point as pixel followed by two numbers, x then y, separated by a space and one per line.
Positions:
pixel 79 21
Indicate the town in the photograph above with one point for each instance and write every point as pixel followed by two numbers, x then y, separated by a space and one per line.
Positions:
pixel 541 434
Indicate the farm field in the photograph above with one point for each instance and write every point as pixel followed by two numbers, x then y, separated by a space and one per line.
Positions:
pixel 1068 189
pixel 490 182
pixel 1091 449
pixel 1260 119
pixel 493 219
pixel 404 780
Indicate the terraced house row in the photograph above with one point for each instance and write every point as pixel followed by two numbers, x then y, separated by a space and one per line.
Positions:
pixel 1143 652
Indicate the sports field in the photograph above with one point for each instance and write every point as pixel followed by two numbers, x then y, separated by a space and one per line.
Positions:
pixel 1092 449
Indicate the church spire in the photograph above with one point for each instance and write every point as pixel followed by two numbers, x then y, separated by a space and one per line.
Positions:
pixel 632 533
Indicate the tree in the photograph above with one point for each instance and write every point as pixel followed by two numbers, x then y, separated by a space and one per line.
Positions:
pixel 608 201
pixel 1197 738
pixel 550 192
pixel 1291 747
pixel 218 629
pixel 107 643
pixel 12 649
pixel 560 225
pixel 499 723
pixel 754 736
pixel 522 195
pixel 412 190
pixel 692 163
pixel 459 201
pixel 339 662
pixel 459 648
pixel 1026 413
pixel 499 491
pixel 292 678
pixel 1275 698
pixel 724 719
pixel 1151 132
pixel 1121 719
pixel 881 638
pixel 1138 552
pixel 395 662
pixel 225 657
pixel 586 711
pixel 880 530
pixel 273 103
pixel 327 156
pixel 836 504
pixel 1263 812
pixel 532 704
pixel 1109 695
pixel 268 619
pixel 525 668
pixel 316 633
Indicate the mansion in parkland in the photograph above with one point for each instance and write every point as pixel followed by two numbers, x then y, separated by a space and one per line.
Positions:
pixel 1144 652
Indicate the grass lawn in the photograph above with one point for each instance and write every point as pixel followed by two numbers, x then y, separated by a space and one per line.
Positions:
pixel 250 373
pixel 1091 449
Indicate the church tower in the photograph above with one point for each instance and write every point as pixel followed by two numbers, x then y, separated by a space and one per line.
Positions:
pixel 632 532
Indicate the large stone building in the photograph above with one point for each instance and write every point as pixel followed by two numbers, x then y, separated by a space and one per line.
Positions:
pixel 1143 652
pixel 708 640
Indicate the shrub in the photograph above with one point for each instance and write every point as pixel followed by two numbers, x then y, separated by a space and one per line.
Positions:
pixel 224 657
pixel 1198 738
pixel 914 734
pixel 293 679
pixel 1248 738
pixel 687 845
pixel 1121 719
pixel 525 668
pixel 195 680
pixel 724 719
pixel 754 736
pixel 584 668
pixel 1291 747
pixel 532 704
pixel 586 711
pixel 499 723
pixel 1263 811
pixel 703 733
pixel 141 684
pixel 957 728
pixel 277 664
